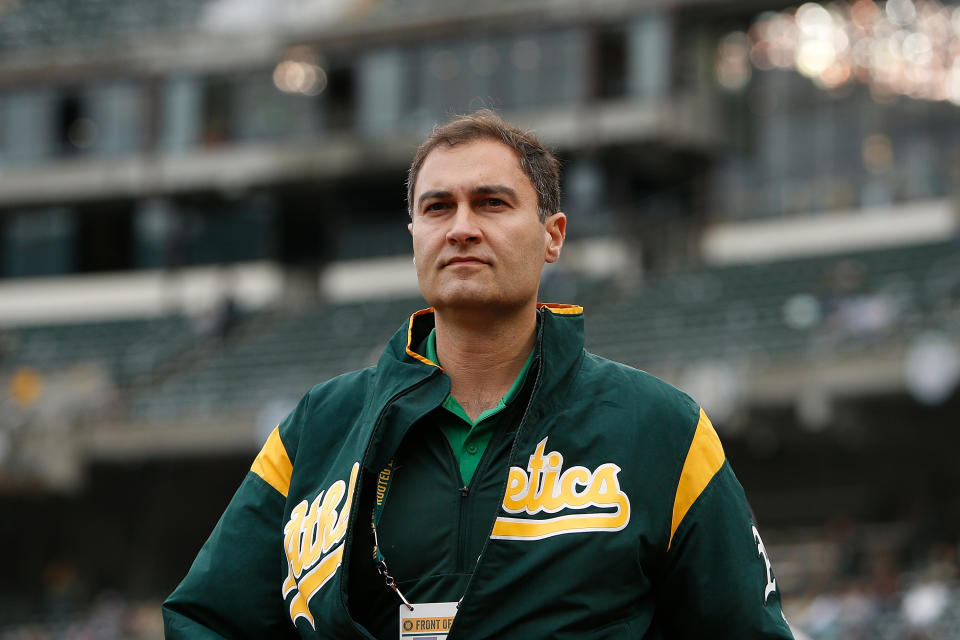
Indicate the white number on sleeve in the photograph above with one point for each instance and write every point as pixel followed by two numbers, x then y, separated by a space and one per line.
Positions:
pixel 771 581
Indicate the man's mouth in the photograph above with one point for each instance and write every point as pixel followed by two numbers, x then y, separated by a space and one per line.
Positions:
pixel 464 260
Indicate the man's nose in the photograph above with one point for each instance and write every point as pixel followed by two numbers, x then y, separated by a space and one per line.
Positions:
pixel 464 227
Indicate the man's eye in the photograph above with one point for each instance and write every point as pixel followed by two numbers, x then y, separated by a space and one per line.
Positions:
pixel 495 202
pixel 436 206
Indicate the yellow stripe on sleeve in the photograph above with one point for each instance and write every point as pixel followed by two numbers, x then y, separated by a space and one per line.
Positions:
pixel 273 464
pixel 704 459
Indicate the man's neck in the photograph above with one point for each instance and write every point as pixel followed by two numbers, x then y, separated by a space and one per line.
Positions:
pixel 483 355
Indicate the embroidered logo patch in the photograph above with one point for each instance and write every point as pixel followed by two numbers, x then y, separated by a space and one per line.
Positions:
pixel 313 543
pixel 544 487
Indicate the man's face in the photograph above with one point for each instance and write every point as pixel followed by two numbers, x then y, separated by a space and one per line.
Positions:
pixel 478 242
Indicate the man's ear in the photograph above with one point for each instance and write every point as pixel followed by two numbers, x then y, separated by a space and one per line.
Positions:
pixel 556 229
pixel 410 227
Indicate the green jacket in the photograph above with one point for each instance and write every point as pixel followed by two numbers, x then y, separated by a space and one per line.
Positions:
pixel 620 516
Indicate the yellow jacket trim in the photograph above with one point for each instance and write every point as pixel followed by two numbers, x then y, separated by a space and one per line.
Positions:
pixel 704 459
pixel 561 309
pixel 410 351
pixel 273 464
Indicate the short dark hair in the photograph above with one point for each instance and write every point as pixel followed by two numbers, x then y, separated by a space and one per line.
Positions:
pixel 537 162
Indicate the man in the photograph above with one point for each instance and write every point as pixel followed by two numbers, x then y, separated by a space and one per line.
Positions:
pixel 518 486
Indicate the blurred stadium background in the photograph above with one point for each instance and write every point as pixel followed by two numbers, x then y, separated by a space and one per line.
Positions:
pixel 202 215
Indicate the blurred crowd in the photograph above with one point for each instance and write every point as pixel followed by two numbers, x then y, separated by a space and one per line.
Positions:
pixel 890 582
pixel 109 617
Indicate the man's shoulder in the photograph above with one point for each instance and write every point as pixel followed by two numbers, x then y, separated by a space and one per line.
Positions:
pixel 346 383
pixel 638 390
pixel 609 371
pixel 327 408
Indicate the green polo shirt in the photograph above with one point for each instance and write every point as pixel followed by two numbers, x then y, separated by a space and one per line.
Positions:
pixel 469 438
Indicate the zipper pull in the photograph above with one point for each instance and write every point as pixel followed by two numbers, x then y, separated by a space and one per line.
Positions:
pixel 464 491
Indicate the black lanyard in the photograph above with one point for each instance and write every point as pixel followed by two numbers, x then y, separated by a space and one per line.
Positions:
pixel 384 479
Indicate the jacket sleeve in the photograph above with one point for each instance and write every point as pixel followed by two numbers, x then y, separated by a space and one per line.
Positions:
pixel 717 580
pixel 234 587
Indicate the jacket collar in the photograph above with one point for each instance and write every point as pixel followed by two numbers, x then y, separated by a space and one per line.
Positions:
pixel 559 344
pixel 420 323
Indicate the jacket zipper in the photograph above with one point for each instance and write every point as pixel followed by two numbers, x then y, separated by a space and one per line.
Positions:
pixel 464 491
pixel 462 535
pixel 503 488
pixel 460 564
pixel 351 522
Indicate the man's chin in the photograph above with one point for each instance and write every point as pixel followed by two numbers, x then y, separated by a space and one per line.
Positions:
pixel 465 302
pixel 467 299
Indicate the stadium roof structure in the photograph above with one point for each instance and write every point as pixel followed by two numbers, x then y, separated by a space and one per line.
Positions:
pixel 42 24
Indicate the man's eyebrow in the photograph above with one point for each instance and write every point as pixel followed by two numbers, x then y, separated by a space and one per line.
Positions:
pixel 488 189
pixel 428 195
pixel 483 189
